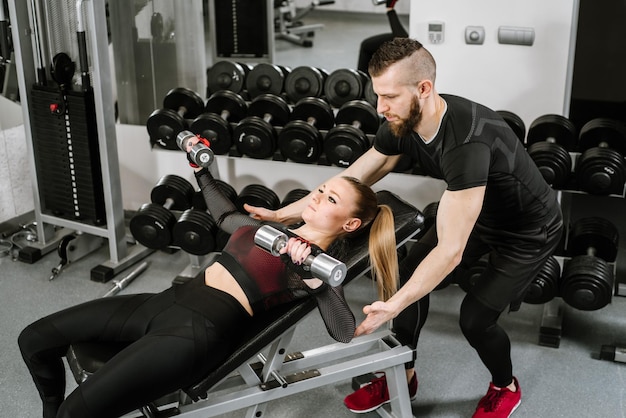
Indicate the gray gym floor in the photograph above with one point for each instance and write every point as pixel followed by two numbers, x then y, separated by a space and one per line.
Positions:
pixel 568 381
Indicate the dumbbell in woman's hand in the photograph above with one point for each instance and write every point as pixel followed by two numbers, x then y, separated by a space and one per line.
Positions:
pixel 322 266
pixel 198 149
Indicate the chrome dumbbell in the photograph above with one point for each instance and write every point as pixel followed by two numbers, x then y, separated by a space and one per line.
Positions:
pixel 200 153
pixel 322 266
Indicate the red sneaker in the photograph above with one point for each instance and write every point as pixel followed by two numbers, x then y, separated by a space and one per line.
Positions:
pixel 498 402
pixel 374 394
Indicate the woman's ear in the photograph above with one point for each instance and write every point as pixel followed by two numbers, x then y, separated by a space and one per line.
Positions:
pixel 352 224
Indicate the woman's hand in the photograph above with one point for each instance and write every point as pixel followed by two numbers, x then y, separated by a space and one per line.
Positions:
pixel 261 213
pixel 297 249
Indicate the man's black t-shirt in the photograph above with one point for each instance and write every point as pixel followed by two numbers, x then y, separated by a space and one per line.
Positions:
pixel 474 147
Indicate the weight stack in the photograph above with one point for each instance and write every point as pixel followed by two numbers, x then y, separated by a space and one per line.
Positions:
pixel 67 156
pixel 241 28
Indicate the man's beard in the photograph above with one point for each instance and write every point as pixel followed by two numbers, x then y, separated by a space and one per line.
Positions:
pixel 404 127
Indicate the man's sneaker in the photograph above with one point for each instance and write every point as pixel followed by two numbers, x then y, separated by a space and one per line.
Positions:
pixel 374 394
pixel 498 402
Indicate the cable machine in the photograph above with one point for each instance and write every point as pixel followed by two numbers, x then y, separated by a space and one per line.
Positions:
pixel 71 137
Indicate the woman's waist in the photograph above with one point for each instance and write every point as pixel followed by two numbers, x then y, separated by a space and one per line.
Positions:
pixel 218 277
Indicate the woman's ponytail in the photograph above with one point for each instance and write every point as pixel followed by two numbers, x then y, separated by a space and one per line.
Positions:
pixel 383 253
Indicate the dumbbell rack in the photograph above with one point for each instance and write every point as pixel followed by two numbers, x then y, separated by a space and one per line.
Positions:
pixel 114 229
pixel 552 316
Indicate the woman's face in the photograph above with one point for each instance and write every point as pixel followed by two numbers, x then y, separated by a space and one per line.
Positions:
pixel 331 207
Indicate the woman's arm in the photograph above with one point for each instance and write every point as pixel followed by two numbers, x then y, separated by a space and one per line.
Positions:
pixel 336 313
pixel 225 213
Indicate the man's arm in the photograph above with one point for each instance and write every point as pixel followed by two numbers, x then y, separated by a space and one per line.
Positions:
pixel 369 168
pixel 456 216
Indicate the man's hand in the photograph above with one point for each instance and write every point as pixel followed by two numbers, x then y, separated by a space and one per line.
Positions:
pixel 378 313
pixel 260 213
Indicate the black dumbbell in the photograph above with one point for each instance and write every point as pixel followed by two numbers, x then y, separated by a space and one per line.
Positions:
pixel 195 232
pixel 545 286
pixel 587 280
pixel 550 139
pixel 201 153
pixel 300 139
pixel 293 196
pixel 179 105
pixel 348 140
pixel 430 214
pixel 305 81
pixel 257 195
pixel 227 75
pixel 222 108
pixel 600 169
pixel 152 224
pixel 256 136
pixel 322 266
pixel 344 85
pixel 515 123
pixel 266 78
pixel 369 94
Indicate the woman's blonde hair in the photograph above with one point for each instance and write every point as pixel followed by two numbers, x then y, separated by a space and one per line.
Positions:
pixel 382 238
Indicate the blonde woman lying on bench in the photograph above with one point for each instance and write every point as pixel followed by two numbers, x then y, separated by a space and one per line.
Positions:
pixel 179 335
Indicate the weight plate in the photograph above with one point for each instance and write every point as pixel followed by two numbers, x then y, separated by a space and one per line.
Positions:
pixel 304 81
pixel 587 283
pixel 343 85
pixel 195 232
pixel 545 286
pixel 293 196
pixel 186 102
pixel 314 111
pixel 370 96
pixel 601 171
pixel 343 144
pixel 603 132
pixel 255 137
pixel 227 75
pixel 173 189
pixel 360 114
pixel 230 105
pixel 271 107
pixel 430 214
pixel 152 226
pixel 515 122
pixel 257 195
pixel 553 128
pixel 216 130
pixel 553 161
pixel 300 142
pixel 265 78
pixel 593 236
pixel 163 125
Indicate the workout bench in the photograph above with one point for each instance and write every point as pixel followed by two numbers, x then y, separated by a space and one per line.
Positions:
pixel 249 379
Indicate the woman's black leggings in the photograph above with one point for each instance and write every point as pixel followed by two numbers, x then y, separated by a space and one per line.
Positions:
pixel 169 347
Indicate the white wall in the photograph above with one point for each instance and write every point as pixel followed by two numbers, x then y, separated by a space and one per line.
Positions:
pixel 367 6
pixel 527 80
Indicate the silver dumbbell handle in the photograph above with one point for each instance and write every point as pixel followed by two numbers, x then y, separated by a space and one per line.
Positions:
pixel 323 266
pixel 200 153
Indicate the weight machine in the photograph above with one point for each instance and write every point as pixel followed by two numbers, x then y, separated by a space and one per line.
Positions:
pixel 71 137
pixel 287 22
